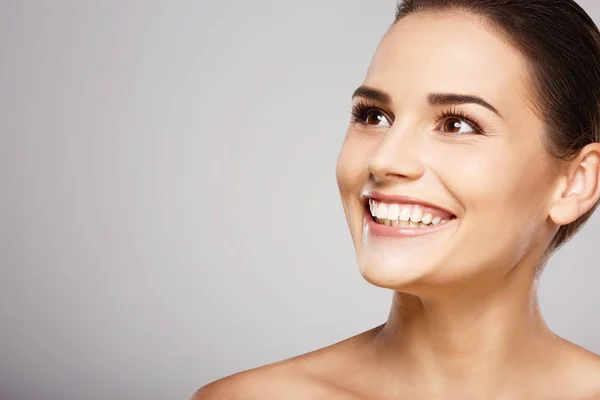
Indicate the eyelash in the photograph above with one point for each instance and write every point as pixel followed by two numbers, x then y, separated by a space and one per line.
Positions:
pixel 460 114
pixel 360 112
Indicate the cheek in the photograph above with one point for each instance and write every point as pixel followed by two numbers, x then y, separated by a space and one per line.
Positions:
pixel 503 183
pixel 351 175
pixel 351 170
pixel 502 191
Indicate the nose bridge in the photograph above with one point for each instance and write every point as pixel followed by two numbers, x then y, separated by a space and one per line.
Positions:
pixel 398 155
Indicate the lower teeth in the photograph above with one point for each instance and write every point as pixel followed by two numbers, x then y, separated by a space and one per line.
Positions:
pixel 403 224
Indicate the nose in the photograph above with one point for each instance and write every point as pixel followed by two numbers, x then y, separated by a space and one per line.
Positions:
pixel 397 157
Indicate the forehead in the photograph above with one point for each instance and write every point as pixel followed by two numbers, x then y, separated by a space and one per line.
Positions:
pixel 448 52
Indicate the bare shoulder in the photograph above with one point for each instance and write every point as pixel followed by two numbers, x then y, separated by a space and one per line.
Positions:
pixel 581 366
pixel 265 382
pixel 591 372
pixel 306 376
pixel 285 380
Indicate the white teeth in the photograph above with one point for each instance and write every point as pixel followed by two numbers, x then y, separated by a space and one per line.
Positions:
pixel 405 213
pixel 393 214
pixel 416 215
pixel 393 211
pixel 381 211
pixel 427 218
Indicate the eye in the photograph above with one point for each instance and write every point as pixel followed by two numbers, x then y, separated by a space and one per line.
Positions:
pixel 369 115
pixel 375 117
pixel 457 125
pixel 456 122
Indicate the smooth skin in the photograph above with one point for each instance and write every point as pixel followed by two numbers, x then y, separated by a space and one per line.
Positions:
pixel 465 321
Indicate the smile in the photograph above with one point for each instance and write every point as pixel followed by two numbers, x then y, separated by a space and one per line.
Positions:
pixel 404 219
pixel 407 215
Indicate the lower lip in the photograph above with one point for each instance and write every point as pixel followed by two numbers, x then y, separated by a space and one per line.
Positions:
pixel 380 230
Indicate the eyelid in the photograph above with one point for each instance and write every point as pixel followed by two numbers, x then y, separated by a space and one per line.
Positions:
pixel 459 114
pixel 364 106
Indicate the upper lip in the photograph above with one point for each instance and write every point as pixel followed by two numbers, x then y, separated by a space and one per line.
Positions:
pixel 391 198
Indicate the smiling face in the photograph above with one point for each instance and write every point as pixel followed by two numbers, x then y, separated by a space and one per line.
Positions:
pixel 442 128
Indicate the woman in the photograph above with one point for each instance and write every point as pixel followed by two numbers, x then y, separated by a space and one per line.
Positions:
pixel 472 155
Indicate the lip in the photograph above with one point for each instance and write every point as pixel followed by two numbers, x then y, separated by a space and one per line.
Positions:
pixel 389 198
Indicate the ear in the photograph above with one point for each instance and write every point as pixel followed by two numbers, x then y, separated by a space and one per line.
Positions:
pixel 579 189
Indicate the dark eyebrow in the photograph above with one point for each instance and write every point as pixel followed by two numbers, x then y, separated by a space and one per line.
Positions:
pixel 373 94
pixel 441 99
pixel 434 99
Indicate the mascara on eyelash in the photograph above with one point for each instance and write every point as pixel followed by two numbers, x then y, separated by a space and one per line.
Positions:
pixel 361 110
pixel 461 115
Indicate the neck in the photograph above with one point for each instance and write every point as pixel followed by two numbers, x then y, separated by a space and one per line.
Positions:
pixel 471 339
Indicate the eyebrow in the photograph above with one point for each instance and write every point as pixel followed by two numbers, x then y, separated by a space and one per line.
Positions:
pixel 434 99
pixel 373 94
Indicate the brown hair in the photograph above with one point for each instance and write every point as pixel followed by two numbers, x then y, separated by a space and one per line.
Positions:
pixel 562 45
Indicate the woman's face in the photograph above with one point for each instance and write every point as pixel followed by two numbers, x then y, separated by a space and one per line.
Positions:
pixel 479 179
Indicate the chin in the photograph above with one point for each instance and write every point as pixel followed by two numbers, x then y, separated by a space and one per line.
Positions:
pixel 397 274
pixel 420 274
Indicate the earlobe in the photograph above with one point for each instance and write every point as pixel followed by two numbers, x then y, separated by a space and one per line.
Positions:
pixel 582 189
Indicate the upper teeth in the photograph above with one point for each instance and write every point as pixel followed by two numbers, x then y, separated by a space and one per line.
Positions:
pixel 403 212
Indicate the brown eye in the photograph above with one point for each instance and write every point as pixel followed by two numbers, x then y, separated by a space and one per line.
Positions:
pixel 376 118
pixel 368 114
pixel 456 125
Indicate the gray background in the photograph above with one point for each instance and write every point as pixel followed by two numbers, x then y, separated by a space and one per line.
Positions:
pixel 169 213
